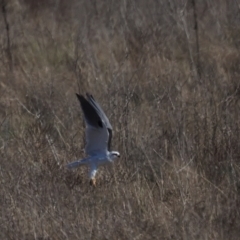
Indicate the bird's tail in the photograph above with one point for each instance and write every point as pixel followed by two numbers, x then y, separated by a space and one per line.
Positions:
pixel 74 164
pixel 77 163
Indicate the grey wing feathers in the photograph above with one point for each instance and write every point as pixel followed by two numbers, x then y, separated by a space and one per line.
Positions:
pixel 103 117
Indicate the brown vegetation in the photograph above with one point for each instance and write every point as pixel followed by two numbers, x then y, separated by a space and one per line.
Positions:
pixel 167 74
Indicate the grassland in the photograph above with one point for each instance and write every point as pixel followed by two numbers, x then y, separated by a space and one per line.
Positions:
pixel 166 73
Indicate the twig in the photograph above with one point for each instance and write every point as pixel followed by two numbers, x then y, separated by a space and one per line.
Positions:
pixel 195 18
pixel 4 11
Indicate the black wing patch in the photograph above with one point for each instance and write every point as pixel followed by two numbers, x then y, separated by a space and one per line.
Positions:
pixel 109 138
pixel 100 124
pixel 91 115
pixel 99 110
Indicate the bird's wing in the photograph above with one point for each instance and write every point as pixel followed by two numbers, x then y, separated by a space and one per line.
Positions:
pixel 103 117
pixel 96 131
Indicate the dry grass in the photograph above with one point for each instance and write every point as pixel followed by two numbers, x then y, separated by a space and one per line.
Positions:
pixel 177 128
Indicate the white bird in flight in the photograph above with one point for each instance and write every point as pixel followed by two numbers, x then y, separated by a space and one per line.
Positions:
pixel 98 138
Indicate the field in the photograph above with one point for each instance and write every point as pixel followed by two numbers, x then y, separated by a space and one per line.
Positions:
pixel 167 75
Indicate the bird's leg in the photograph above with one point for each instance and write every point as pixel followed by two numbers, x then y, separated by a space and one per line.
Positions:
pixel 92 174
pixel 93 182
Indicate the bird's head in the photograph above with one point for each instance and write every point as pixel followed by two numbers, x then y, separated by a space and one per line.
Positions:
pixel 114 155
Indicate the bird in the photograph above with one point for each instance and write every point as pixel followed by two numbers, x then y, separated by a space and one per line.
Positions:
pixel 98 138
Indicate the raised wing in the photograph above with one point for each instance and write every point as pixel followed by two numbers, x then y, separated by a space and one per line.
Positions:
pixel 96 131
pixel 103 117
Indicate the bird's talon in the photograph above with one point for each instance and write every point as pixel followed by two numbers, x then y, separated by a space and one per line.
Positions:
pixel 93 182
